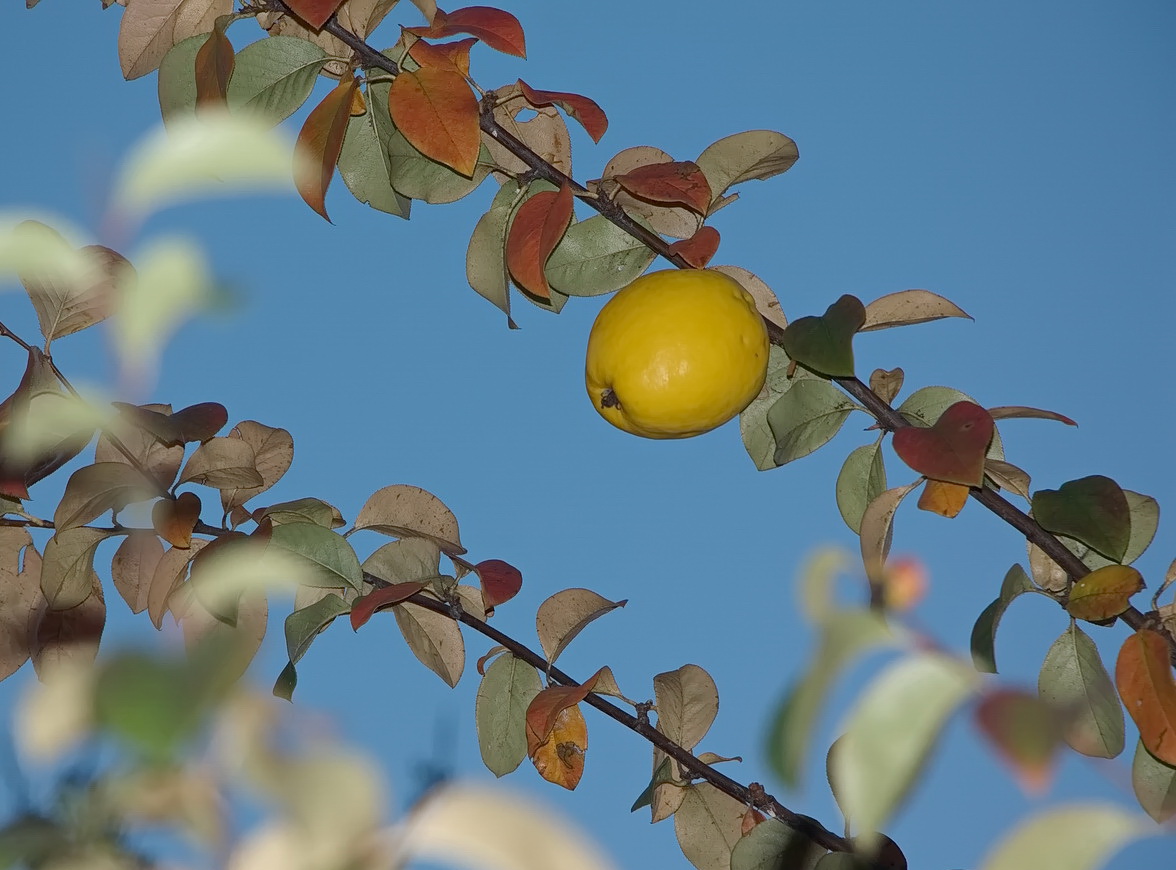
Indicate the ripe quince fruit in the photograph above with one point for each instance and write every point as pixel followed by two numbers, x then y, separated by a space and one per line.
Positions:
pixel 676 353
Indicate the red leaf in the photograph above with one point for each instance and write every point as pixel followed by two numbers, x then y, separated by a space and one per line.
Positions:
pixel 584 110
pixel 537 228
pixel 365 606
pixel 499 30
pixel 320 140
pixel 545 708
pixel 438 114
pixel 501 581
pixel 214 67
pixel 674 183
pixel 953 449
pixel 699 248
pixel 448 54
pixel 314 12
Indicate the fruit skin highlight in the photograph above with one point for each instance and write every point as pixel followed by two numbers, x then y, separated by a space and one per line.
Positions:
pixel 676 353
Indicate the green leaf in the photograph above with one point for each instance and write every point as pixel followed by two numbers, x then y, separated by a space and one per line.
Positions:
pixel 1016 583
pixel 924 406
pixel 845 637
pixel 273 77
pixel 364 162
pixel 177 80
pixel 1145 519
pixel 1073 677
pixel 806 418
pixel 405 560
pixel 303 626
pixel 753 422
pixel 1068 838
pixel 1154 783
pixel 501 712
pixel 486 256
pixel 862 479
pixel 772 845
pixel 664 773
pixel 31 841
pixel 419 177
pixel 303 510
pixel 331 560
pixel 1092 509
pixel 286 683
pixel 890 734
pixel 824 343
pixel 596 257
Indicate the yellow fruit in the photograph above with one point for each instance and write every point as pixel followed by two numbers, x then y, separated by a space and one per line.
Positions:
pixel 676 353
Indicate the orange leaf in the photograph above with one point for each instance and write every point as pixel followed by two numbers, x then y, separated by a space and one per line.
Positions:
pixel 537 228
pixel 499 30
pixel 174 519
pixel 365 606
pixel 751 818
pixel 674 183
pixel 545 708
pixel 584 110
pixel 438 114
pixel 214 67
pixel 943 498
pixel 1104 593
pixel 699 248
pixel 1143 674
pixel 561 759
pixel 320 140
pixel 314 12
pixel 449 54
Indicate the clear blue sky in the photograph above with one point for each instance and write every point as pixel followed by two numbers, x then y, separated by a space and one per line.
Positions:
pixel 1014 157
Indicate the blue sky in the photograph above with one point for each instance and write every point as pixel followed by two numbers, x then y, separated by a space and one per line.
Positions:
pixel 1015 158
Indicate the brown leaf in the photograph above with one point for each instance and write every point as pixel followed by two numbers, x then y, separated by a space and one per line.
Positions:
pixel 887 383
pixel 584 110
pixel 673 183
pixel 401 510
pixel 169 575
pixel 20 597
pixel 1143 674
pixel 319 142
pixel 766 301
pixel 273 453
pixel 687 704
pixel 699 248
pixel 907 307
pixel 565 614
pixel 65 307
pixel 149 28
pixel 943 498
pixel 560 759
pixel 214 68
pixel 95 489
pixel 1008 476
pixel 60 635
pixel 158 459
pixel 435 639
pixel 538 226
pixel 68 566
pixel 133 568
pixel 499 30
pixel 1007 412
pixel 174 519
pixel 546 133
pixel 223 463
pixel 435 110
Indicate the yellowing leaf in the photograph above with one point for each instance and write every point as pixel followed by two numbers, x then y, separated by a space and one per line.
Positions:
pixel 560 759
pixel 766 301
pixel 546 133
pixel 1074 837
pixel 150 27
pixel 273 452
pixel 876 529
pixel 170 572
pixel 133 568
pixel 708 824
pixel 223 463
pixel 1104 593
pixel 95 489
pixel 756 154
pixel 320 141
pixel 565 614
pixel 438 114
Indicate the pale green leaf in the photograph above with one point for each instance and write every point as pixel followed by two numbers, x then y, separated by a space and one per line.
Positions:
pixel 861 480
pixel 501 711
pixel 772 845
pixel 177 80
pixel 596 257
pixel 806 418
pixel 1016 582
pixel 486 258
pixel 890 733
pixel 273 77
pixel 1154 783
pixel 405 560
pixel 753 422
pixel 364 162
pixel 418 177
pixel 303 626
pixel 1073 677
pixel 1073 837
pixel 330 560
